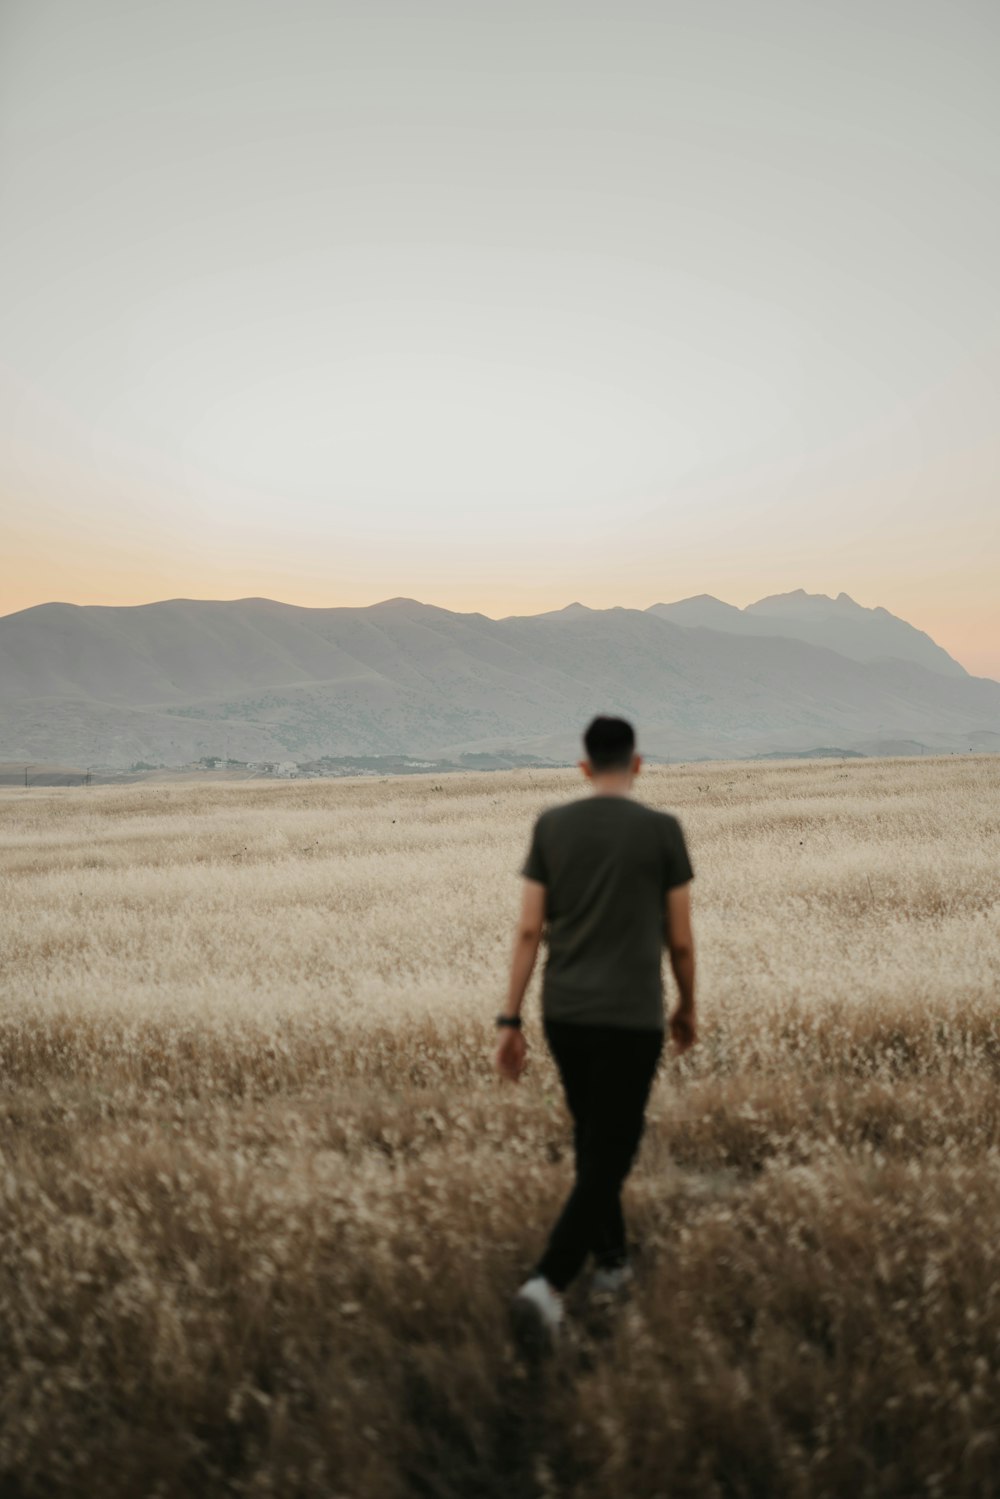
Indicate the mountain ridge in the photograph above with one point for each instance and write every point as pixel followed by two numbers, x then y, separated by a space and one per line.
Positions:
pixel 840 623
pixel 259 679
pixel 798 613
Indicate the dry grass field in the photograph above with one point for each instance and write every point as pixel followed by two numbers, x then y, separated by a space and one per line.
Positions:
pixel 263 1200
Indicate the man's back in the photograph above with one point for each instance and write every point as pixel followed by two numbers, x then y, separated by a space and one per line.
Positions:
pixel 607 862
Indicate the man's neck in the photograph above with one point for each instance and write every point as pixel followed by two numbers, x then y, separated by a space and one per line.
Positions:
pixel 612 785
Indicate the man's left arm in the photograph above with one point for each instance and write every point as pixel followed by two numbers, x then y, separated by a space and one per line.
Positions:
pixel 512 1048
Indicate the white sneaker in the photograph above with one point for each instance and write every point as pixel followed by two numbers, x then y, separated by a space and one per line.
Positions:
pixel 609 1282
pixel 537 1315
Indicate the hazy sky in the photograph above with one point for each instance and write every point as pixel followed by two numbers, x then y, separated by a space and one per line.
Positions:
pixel 501 306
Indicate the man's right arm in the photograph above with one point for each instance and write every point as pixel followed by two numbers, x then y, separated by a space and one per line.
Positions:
pixel 680 944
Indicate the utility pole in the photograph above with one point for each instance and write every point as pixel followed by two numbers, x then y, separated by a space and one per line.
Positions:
pixel 26 777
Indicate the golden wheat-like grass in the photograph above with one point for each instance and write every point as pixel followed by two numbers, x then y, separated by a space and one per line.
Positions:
pixel 263 1200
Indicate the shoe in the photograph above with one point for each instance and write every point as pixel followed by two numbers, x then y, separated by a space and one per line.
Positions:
pixel 537 1316
pixel 614 1279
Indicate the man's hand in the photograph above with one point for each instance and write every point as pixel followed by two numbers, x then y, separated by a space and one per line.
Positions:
pixel 511 1054
pixel 683 1030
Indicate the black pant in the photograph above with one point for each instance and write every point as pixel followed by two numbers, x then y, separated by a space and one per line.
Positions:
pixel 607 1072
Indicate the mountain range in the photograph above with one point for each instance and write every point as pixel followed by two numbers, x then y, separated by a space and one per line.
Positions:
pixel 254 679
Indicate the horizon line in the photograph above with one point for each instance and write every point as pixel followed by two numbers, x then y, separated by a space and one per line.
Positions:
pixel 260 598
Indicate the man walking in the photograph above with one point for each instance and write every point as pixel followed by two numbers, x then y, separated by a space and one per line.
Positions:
pixel 611 877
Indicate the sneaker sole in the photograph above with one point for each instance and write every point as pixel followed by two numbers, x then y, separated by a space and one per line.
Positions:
pixel 532 1334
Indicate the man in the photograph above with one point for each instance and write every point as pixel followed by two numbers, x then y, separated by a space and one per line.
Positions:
pixel 611 877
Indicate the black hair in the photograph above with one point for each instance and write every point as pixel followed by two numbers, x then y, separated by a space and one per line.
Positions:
pixel 610 743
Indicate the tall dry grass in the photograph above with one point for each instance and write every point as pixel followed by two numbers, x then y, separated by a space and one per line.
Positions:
pixel 263 1200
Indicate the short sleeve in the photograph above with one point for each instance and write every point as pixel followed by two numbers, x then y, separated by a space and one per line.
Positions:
pixel 534 867
pixel 676 859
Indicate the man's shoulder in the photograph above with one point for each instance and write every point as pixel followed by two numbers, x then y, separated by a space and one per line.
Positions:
pixel 561 809
pixel 655 815
pixel 561 818
pixel 667 819
pixel 666 826
pixel 556 813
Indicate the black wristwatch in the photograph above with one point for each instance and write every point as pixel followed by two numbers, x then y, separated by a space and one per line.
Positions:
pixel 514 1021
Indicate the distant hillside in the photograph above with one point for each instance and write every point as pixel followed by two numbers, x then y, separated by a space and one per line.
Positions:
pixel 254 679
pixel 837 624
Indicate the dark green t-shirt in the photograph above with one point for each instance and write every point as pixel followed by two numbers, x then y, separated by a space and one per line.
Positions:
pixel 607 863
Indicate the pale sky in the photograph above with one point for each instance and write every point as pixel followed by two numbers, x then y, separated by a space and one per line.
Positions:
pixel 501 306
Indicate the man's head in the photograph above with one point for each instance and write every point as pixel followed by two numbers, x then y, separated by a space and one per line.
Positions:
pixel 611 756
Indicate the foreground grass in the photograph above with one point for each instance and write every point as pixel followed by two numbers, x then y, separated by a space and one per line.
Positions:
pixel 263 1202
